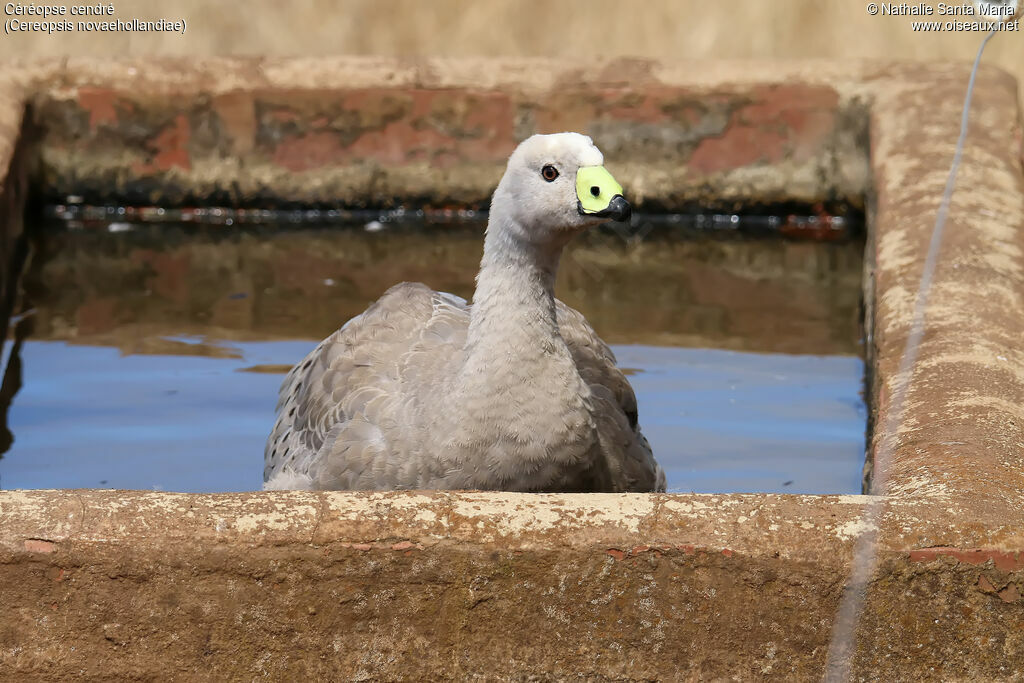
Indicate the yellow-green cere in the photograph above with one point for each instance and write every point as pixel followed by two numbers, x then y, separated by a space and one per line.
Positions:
pixel 595 188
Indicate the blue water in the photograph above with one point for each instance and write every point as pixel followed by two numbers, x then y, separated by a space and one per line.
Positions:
pixel 724 421
pixel 718 421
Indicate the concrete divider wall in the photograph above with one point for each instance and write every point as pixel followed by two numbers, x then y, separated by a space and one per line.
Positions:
pixel 380 133
pixel 437 585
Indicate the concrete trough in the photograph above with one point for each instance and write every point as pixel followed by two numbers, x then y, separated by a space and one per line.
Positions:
pixel 425 585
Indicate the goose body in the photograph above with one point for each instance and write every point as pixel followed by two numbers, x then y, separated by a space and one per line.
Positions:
pixel 516 392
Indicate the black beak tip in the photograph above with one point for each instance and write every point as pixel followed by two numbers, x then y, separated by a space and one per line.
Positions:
pixel 619 209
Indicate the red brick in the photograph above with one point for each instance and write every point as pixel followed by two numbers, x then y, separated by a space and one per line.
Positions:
pixel 99 102
pixel 38 545
pixel 237 113
pixel 1006 561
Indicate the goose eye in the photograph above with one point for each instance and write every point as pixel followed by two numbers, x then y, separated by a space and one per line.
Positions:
pixel 549 173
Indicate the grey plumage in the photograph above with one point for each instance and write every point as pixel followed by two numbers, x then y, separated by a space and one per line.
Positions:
pixel 516 392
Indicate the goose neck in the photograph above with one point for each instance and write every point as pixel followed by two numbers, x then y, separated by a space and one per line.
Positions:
pixel 515 292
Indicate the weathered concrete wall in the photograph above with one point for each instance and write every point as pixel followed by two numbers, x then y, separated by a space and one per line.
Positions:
pixel 425 586
pixel 15 155
pixel 381 133
pixel 413 585
pixel 388 586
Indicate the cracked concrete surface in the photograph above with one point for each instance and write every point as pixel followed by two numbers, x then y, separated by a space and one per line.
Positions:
pixel 418 585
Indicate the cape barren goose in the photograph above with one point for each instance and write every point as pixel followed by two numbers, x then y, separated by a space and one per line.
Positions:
pixel 515 393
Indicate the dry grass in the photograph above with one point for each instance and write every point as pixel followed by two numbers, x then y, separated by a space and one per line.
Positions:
pixel 665 29
pixel 577 29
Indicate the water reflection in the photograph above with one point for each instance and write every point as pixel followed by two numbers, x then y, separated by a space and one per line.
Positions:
pixel 157 353
pixel 131 290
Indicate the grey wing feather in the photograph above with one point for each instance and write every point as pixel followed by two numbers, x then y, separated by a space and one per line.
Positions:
pixel 345 412
pixel 630 462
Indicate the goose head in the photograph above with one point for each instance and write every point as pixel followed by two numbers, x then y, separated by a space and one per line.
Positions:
pixel 555 186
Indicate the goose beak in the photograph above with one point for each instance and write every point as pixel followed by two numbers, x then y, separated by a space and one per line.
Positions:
pixel 599 195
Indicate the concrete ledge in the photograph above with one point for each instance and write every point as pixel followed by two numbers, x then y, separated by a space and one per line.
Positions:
pixel 437 585
pixel 440 585
pixel 363 131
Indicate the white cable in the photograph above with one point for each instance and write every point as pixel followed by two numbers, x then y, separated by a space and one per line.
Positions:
pixel 842 647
